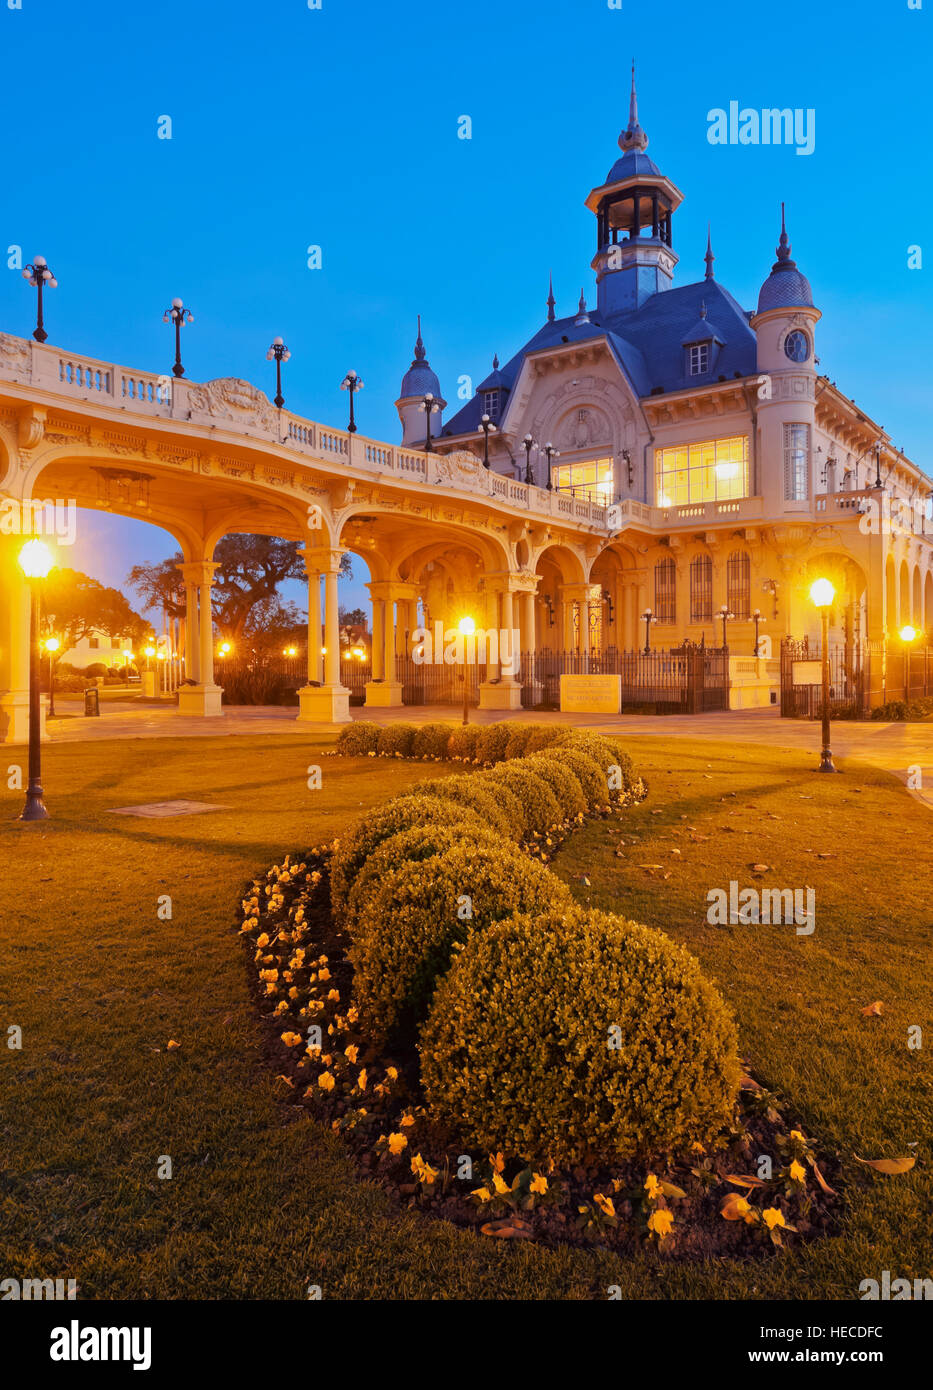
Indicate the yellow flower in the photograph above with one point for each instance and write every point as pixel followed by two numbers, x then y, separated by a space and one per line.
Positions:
pixel 697 1148
pixel 292 1039
pixel 353 1014
pixel 406 1121
pixel 605 1204
pixel 397 1142
pixel 334 996
pixel 326 1081
pixel 538 1183
pixel 482 1193
pixel 497 1161
pixel 392 1073
pixel 423 1171
pixel 660 1222
pixel 262 940
pixel 795 1134
pixel 351 1052
pixel 324 975
pixel 773 1216
pixel 500 1184
pixel 652 1187
pixel 361 1080
pixel 797 1171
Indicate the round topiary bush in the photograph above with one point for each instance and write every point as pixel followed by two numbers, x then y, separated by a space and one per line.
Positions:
pixel 543 736
pixel 401 814
pixel 430 741
pixel 576 1036
pixel 395 740
pixel 462 742
pixel 403 939
pixel 517 741
pixel 563 783
pixel 358 739
pixel 491 743
pixel 409 846
pixel 497 808
pixel 607 752
pixel 537 803
pixel 587 771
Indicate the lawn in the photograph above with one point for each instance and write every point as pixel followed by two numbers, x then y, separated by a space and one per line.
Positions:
pixel 263 1202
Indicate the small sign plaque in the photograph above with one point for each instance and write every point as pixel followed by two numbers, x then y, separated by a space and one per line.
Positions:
pixel 808 673
pixel 591 694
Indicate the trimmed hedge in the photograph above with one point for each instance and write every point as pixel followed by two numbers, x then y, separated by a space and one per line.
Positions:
pixel 405 931
pixel 538 806
pixel 498 808
pixel 587 771
pixel 563 783
pixel 575 1037
pixel 358 739
pixel 604 751
pixel 492 742
pixel 431 741
pixel 462 742
pixel 409 846
pixel 402 814
pixel 395 740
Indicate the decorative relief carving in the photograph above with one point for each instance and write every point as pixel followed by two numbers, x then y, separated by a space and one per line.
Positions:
pixel 231 398
pixel 15 354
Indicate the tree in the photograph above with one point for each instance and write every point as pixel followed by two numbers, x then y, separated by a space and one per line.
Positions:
pixel 354 617
pixel 77 606
pixel 244 596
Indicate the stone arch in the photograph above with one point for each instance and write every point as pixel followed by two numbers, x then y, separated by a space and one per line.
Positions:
pixel 903 595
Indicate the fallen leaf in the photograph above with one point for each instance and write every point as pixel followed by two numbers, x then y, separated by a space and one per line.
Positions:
pixel 171 1045
pixel 742 1180
pixel 888 1165
pixel 748 1083
pixel 509 1228
pixel 730 1207
pixel 830 1192
pixel 672 1190
pixel 761 868
pixel 873 1010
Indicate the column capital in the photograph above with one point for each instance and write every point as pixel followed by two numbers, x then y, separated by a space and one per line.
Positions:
pixel 321 559
pixel 392 589
pixel 511 582
pixel 198 571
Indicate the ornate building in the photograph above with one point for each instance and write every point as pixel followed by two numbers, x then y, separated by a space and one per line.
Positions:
pixel 732 470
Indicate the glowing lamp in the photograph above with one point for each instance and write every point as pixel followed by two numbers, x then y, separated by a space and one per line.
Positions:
pixel 822 593
pixel 35 560
pixel 52 644
pixel 466 627
pixel 908 633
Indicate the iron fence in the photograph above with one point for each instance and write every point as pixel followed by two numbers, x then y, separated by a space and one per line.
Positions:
pixel 862 675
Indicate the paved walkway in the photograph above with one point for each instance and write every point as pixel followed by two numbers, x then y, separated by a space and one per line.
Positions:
pixel 894 747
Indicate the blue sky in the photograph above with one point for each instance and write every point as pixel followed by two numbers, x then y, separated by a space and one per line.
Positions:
pixel 338 127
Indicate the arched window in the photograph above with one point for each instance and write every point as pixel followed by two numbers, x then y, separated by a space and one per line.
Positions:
pixel 665 590
pixel 701 589
pixel 739 584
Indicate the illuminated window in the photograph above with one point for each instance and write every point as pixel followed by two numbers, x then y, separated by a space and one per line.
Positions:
pixel 796 462
pixel 592 478
pixel 699 359
pixel 701 589
pixel 738 584
pixel 665 590
pixel 714 471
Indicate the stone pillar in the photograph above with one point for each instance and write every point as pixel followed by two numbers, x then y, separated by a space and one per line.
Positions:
pixel 14 644
pixel 203 697
pixel 384 691
pixel 529 635
pixel 328 703
pixel 315 672
pixel 504 692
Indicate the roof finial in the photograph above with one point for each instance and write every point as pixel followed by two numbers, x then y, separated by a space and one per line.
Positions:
pixel 783 248
pixel 633 137
pixel 550 297
pixel 495 361
pixel 582 315
pixel 709 257
pixel 419 345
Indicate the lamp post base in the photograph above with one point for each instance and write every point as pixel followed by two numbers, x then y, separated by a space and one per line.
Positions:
pixel 826 762
pixel 35 808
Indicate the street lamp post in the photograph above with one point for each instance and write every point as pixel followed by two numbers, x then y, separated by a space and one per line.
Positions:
pixel 351 383
pixel 51 646
pixel 647 619
pixel 278 353
pixel 726 616
pixel 550 453
pixel 822 594
pixel 756 619
pixel 529 444
pixel 178 315
pixel 486 426
pixel 907 634
pixel 466 627
pixel 39 275
pixel 430 407
pixel 35 560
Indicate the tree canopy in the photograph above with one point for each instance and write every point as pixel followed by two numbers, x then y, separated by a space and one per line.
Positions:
pixel 76 606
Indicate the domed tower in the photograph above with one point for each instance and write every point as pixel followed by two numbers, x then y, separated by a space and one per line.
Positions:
pixel 418 382
pixel 784 325
pixel 634 255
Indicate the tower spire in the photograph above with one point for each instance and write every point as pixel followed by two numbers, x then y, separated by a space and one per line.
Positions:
pixel 550 297
pixel 419 345
pixel 633 137
pixel 709 257
pixel 783 247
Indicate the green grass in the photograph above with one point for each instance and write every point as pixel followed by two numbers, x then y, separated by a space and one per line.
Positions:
pixel 262 1201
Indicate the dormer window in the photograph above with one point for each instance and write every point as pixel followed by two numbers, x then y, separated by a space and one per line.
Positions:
pixel 698 359
pixel 491 405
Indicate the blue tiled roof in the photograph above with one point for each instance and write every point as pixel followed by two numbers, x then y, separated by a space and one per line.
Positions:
pixel 419 380
pixel 633 164
pixel 785 288
pixel 647 343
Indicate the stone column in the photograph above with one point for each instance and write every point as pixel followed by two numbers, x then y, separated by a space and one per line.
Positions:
pixel 315 672
pixel 505 691
pixel 328 703
pixel 14 644
pixel 529 635
pixel 384 691
pixel 204 697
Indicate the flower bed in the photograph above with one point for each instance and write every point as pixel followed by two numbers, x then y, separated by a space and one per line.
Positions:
pixel 495 1055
